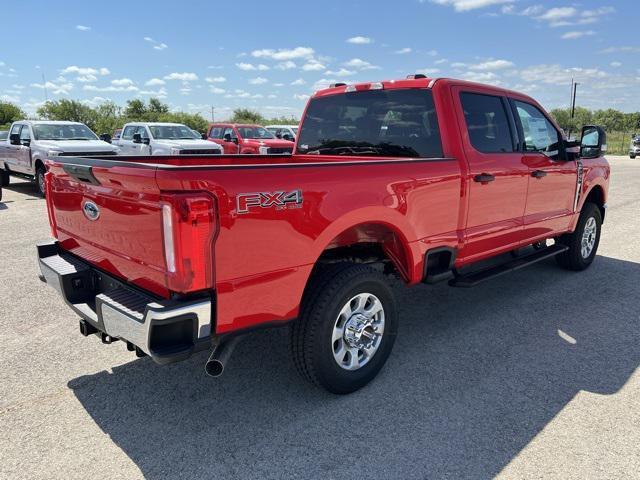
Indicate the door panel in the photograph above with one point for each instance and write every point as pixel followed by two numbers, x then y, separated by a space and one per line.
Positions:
pixel 496 207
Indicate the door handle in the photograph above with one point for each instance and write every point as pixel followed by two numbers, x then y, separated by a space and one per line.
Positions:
pixel 539 174
pixel 484 178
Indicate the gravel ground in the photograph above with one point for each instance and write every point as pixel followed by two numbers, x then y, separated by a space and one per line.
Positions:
pixel 532 375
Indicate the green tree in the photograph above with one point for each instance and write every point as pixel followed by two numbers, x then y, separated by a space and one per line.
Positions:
pixel 195 121
pixel 10 113
pixel 108 118
pixel 610 119
pixel 69 110
pixel 157 107
pixel 136 110
pixel 245 115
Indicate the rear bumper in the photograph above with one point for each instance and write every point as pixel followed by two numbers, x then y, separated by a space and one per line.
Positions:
pixel 166 330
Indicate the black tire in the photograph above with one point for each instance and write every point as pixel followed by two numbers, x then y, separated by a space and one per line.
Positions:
pixel 40 171
pixel 573 258
pixel 310 341
pixel 632 156
pixel 5 178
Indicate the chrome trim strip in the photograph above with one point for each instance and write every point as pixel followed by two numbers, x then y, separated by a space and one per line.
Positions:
pixel 579 182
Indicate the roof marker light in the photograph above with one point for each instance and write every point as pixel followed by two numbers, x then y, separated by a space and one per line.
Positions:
pixel 350 88
pixel 416 76
pixel 376 86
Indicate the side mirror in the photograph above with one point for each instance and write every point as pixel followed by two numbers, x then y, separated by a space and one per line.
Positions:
pixel 105 137
pixel 287 137
pixel 146 140
pixel 227 137
pixel 137 138
pixel 278 135
pixel 14 139
pixel 594 142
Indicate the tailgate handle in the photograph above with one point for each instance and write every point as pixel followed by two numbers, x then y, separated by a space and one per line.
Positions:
pixel 81 173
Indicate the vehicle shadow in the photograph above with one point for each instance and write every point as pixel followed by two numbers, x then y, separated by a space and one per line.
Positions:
pixel 25 187
pixel 474 376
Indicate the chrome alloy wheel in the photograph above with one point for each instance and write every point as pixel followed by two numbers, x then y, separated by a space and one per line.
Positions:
pixel 357 332
pixel 588 237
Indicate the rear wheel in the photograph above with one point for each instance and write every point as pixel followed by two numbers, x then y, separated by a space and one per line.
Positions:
pixel 632 156
pixel 40 171
pixel 583 242
pixel 347 328
pixel 5 178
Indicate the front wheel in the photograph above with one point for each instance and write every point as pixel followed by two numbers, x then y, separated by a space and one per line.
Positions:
pixel 632 156
pixel 347 328
pixel 40 171
pixel 583 242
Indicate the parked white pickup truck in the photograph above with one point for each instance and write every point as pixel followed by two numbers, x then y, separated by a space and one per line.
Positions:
pixel 163 139
pixel 29 143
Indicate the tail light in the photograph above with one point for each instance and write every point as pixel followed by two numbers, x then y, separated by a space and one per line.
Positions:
pixel 189 228
pixel 49 198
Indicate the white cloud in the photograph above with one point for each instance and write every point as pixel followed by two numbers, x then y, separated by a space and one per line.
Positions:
pixel 249 67
pixel 284 54
pixel 215 79
pixel 156 44
pixel 623 49
pixel 95 101
pixel 74 69
pixel 87 78
pixel 280 84
pixel 56 88
pixel 616 64
pixel 466 5
pixel 300 96
pixel 360 64
pixel 492 65
pixel 110 88
pixel 184 76
pixel 122 82
pixel 359 40
pixel 154 82
pixel 10 98
pixel 258 81
pixel 288 65
pixel 440 61
pixel 160 93
pixel 313 66
pixel 480 77
pixel 428 71
pixel 216 90
pixel 559 75
pixel 299 81
pixel 403 51
pixel 343 72
pixel 577 34
pixel 83 28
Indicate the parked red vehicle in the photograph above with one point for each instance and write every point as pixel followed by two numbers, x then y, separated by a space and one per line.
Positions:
pixel 247 139
pixel 422 179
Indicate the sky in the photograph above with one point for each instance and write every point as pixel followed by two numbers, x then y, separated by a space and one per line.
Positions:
pixel 270 56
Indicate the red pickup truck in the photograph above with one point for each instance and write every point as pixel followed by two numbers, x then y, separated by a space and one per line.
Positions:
pixel 247 139
pixel 421 179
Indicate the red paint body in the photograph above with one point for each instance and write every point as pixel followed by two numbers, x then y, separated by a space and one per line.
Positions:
pixel 262 259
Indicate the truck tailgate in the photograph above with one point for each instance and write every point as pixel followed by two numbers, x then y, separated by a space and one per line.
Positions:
pixel 110 216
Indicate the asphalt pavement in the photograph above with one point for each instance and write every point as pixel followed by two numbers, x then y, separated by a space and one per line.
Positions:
pixel 532 375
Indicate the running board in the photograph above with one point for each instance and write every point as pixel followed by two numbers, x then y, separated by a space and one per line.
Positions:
pixel 474 278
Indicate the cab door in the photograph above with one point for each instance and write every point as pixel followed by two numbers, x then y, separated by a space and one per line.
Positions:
pixel 25 162
pixel 126 140
pixel 230 142
pixel 552 179
pixel 497 177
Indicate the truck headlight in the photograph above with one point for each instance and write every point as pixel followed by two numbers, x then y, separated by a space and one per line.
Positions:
pixel 53 153
pixel 175 151
pixel 263 150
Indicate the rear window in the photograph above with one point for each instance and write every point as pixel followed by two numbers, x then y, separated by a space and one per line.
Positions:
pixel 376 123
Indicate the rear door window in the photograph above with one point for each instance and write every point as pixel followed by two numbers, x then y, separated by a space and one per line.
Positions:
pixel 376 123
pixel 216 132
pixel 25 134
pixel 487 123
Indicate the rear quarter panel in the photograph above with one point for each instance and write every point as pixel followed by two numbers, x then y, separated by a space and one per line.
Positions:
pixel 263 258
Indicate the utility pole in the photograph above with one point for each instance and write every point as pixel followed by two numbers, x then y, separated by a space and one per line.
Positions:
pixel 212 109
pixel 573 100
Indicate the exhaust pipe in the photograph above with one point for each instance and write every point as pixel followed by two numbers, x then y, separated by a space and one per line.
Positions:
pixel 220 356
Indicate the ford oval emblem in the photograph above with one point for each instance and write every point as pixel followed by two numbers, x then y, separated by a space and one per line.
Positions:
pixel 91 210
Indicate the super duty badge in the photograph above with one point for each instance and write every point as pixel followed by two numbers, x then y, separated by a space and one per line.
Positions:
pixel 276 200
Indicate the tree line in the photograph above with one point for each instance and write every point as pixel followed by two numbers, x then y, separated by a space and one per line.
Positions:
pixel 610 119
pixel 108 116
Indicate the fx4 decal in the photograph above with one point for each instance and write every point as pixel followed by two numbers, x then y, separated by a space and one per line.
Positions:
pixel 276 200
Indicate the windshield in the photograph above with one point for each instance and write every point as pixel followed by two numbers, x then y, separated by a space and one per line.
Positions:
pixel 172 132
pixel 255 132
pixel 54 131
pixel 378 123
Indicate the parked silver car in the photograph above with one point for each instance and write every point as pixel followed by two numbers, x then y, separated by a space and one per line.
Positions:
pixel 634 148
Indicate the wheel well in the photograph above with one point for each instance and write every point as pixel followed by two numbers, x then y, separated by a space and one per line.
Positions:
pixel 369 243
pixel 38 163
pixel 596 196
